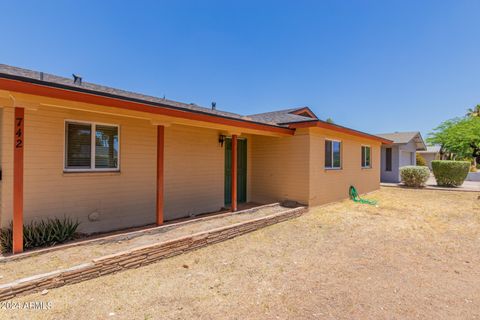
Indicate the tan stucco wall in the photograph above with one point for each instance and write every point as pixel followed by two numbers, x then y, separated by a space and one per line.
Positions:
pixel 293 168
pixel 6 165
pixel 194 172
pixel 332 185
pixel 125 198
pixel 280 168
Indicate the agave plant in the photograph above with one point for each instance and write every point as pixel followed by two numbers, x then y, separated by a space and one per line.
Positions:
pixel 40 233
pixel 6 239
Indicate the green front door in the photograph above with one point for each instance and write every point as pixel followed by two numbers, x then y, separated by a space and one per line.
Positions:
pixel 241 171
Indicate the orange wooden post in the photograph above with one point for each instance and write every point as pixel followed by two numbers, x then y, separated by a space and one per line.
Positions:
pixel 18 145
pixel 234 172
pixel 160 172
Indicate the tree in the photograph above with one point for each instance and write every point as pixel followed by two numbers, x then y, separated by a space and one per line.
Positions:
pixel 329 120
pixel 474 112
pixel 459 137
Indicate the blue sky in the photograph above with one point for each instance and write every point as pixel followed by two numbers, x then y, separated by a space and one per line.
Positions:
pixel 376 66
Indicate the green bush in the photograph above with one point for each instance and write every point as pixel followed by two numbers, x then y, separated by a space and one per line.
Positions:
pixel 414 176
pixel 421 160
pixel 40 233
pixel 450 173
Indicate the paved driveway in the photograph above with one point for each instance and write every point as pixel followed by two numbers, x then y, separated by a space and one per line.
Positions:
pixel 432 184
pixel 467 185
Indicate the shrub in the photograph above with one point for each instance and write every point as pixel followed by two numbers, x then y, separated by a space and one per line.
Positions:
pixel 40 233
pixel 421 160
pixel 450 173
pixel 414 176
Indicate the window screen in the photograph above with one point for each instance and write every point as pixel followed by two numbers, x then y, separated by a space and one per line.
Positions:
pixel 106 147
pixel 336 154
pixel 366 151
pixel 328 154
pixel 78 148
pixel 80 154
pixel 333 154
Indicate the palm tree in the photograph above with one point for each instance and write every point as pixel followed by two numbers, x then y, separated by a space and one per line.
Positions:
pixel 474 112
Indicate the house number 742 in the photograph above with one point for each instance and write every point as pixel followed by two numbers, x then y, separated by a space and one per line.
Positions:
pixel 19 132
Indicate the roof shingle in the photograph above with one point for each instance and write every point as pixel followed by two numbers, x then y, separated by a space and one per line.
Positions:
pixel 281 116
pixel 281 119
pixel 405 137
pixel 53 79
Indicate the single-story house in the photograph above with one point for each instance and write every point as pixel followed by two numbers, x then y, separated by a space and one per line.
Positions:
pixel 430 154
pixel 115 159
pixel 400 153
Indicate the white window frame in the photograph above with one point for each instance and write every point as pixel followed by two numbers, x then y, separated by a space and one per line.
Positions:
pixel 93 125
pixel 341 155
pixel 361 163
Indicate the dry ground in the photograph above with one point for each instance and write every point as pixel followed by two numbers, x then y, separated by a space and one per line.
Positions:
pixel 72 256
pixel 416 256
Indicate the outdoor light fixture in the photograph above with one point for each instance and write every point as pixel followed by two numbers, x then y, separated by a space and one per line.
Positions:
pixel 221 140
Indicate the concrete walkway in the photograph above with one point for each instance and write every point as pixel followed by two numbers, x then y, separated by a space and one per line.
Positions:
pixel 470 186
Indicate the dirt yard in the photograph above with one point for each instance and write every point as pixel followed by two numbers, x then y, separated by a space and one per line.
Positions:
pixel 75 255
pixel 415 256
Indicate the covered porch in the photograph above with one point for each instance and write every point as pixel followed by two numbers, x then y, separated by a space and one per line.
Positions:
pixel 166 167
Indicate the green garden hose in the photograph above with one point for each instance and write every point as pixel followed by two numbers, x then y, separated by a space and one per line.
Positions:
pixel 356 198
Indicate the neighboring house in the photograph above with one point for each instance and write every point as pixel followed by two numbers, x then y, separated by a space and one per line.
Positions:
pixel 114 159
pixel 402 152
pixel 432 153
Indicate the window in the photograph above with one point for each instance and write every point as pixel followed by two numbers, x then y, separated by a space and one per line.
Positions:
pixel 91 146
pixel 388 159
pixel 333 154
pixel 366 152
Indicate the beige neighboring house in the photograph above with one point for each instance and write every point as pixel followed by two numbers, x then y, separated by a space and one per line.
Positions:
pixel 115 159
pixel 432 153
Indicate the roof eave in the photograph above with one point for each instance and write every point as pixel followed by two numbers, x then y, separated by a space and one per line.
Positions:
pixel 53 90
pixel 336 127
pixel 423 145
pixel 307 110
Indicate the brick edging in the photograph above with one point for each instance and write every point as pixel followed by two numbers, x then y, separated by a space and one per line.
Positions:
pixel 139 256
